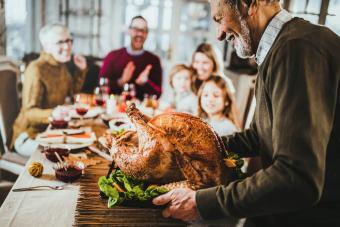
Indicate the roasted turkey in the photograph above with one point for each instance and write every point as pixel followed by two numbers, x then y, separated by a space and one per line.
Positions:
pixel 170 147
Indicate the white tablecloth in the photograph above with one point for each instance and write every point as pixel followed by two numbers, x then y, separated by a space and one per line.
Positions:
pixel 39 208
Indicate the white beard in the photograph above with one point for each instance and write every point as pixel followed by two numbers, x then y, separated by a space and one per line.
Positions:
pixel 242 44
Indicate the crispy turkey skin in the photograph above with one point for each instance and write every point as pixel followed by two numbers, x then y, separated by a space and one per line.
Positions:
pixel 170 147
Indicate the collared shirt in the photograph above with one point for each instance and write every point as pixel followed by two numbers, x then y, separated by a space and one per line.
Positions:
pixel 270 34
pixel 134 52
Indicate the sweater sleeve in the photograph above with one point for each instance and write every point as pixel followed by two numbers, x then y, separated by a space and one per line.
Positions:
pixel 33 92
pixel 243 143
pixel 303 98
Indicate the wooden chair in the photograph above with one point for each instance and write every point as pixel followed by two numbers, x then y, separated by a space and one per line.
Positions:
pixel 9 109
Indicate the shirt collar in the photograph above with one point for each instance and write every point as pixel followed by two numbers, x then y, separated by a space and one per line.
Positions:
pixel 134 52
pixel 270 34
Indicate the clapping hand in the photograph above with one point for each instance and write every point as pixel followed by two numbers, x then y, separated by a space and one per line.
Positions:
pixel 181 204
pixel 144 75
pixel 127 73
pixel 80 62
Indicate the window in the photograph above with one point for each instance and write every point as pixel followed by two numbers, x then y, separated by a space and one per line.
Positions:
pixel 325 12
pixel 15 16
pixel 333 16
pixel 309 10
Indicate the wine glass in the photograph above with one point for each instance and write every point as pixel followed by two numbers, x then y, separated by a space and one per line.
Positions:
pixel 82 105
pixel 100 96
pixel 104 85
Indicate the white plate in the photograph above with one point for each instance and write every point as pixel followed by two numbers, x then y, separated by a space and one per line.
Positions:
pixel 124 123
pixel 59 141
pixel 67 146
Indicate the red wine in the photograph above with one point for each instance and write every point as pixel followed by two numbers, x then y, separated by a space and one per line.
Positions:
pixel 81 111
pixel 58 124
pixel 100 102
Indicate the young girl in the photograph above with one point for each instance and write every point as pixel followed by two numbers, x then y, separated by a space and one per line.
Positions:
pixel 182 98
pixel 207 62
pixel 216 104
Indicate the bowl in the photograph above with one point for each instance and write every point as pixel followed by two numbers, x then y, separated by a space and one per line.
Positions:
pixel 72 172
pixel 59 124
pixel 119 124
pixel 49 153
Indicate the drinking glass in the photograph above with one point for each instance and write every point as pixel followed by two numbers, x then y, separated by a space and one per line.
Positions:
pixel 100 96
pixel 82 105
pixel 104 85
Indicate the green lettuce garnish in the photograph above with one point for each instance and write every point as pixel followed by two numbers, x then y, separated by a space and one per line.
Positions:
pixel 119 187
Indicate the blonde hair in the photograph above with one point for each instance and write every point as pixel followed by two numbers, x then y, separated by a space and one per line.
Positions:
pixel 177 68
pixel 229 109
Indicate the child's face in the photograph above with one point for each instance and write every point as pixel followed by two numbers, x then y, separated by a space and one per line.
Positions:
pixel 182 81
pixel 212 99
pixel 203 65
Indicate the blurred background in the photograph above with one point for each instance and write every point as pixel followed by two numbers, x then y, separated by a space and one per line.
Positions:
pixel 176 29
pixel 176 26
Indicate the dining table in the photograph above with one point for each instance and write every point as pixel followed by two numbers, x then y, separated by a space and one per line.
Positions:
pixel 77 204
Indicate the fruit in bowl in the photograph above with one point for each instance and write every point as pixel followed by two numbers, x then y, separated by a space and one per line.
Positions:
pixel 50 153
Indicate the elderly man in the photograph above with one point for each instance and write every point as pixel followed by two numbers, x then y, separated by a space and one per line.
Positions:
pixel 47 83
pixel 295 130
pixel 133 64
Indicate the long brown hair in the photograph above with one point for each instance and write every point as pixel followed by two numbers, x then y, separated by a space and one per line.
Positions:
pixel 229 110
pixel 208 50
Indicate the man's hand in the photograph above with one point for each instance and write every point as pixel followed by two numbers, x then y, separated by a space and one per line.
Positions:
pixel 144 75
pixel 80 62
pixel 181 204
pixel 127 73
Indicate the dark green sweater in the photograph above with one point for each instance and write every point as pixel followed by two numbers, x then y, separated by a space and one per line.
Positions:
pixel 295 131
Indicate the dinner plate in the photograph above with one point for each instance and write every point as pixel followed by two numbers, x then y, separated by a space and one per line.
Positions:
pixel 119 124
pixel 73 146
pixel 66 139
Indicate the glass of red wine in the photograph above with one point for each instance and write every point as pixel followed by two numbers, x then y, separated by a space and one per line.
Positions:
pixel 82 105
pixel 100 96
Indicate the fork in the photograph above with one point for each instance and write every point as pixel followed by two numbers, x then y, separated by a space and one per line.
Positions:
pixel 59 187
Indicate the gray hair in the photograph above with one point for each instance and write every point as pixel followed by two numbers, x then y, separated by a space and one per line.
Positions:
pixel 47 32
pixel 237 3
